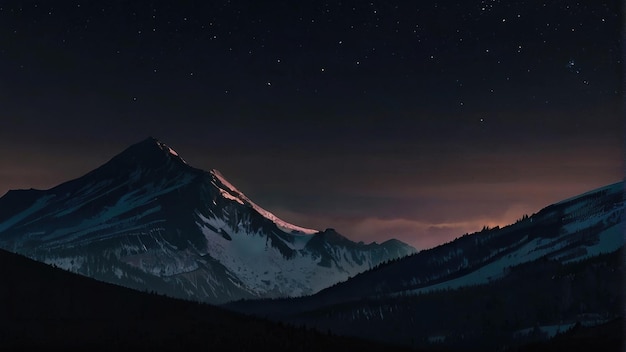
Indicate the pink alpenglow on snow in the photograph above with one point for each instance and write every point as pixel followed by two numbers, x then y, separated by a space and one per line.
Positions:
pixel 234 194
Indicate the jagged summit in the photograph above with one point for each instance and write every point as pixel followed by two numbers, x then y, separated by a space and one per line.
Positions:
pixel 149 152
pixel 149 158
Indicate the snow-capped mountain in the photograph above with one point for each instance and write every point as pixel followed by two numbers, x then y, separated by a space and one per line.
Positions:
pixel 146 219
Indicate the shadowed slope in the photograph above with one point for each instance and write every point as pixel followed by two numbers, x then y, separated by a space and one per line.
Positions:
pixel 46 308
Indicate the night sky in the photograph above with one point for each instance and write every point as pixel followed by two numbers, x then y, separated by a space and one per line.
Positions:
pixel 420 120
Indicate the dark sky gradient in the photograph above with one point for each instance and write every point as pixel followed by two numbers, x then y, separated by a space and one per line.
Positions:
pixel 420 120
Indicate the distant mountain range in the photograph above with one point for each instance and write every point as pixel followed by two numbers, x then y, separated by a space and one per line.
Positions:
pixel 492 290
pixel 148 220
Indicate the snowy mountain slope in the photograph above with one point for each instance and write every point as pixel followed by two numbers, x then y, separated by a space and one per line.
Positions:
pixel 148 220
pixel 568 231
pixel 494 288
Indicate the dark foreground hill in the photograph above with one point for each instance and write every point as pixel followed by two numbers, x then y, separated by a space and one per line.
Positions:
pixel 605 337
pixel 46 308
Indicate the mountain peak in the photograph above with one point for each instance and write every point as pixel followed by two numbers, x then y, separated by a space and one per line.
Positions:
pixel 151 142
pixel 149 152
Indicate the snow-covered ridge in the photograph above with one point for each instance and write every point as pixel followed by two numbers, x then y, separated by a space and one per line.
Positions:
pixel 231 192
pixel 612 188
pixel 234 194
pixel 588 225
pixel 166 148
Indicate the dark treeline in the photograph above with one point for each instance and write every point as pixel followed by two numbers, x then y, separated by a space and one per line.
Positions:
pixel 45 308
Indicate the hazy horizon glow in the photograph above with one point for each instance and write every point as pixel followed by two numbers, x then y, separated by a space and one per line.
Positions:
pixel 423 217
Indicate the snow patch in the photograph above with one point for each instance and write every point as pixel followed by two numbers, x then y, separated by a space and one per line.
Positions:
pixel 610 240
pixel 265 270
pixel 172 151
pixel 549 330
pixel 166 148
pixel 227 195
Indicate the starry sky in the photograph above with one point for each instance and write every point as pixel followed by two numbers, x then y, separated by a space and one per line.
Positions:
pixel 419 120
